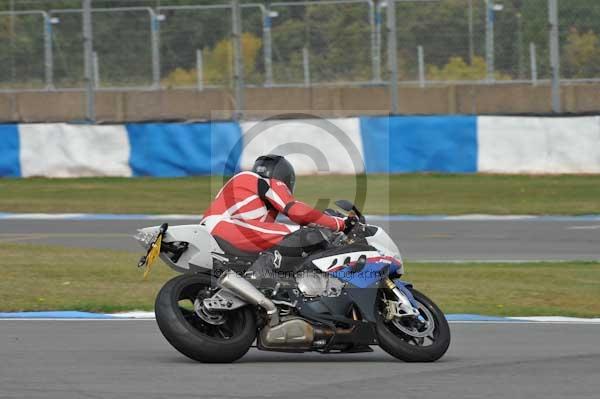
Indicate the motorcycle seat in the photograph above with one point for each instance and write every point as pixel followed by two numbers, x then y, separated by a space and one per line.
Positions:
pixel 231 249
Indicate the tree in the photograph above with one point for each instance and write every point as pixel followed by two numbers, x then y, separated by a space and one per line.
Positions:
pixel 581 55
pixel 21 51
pixel 458 69
pixel 337 37
pixel 218 64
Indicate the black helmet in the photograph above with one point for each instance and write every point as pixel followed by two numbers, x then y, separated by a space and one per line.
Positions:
pixel 275 167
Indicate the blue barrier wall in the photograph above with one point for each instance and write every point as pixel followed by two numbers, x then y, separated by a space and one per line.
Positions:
pixel 10 164
pixel 398 144
pixel 173 149
pixel 419 144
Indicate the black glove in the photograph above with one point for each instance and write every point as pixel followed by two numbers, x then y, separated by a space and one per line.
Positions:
pixel 350 222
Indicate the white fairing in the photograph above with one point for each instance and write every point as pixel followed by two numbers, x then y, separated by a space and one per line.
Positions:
pixel 200 249
pixel 384 243
pixel 203 248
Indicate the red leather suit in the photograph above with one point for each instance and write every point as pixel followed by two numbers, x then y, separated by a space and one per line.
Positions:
pixel 244 212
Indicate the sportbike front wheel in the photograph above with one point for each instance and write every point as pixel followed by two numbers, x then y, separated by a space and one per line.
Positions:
pixel 425 338
pixel 209 338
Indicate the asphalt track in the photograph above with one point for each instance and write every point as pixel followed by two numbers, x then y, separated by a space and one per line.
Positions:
pixel 130 359
pixel 436 240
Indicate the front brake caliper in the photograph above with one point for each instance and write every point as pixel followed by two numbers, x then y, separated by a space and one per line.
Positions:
pixel 392 309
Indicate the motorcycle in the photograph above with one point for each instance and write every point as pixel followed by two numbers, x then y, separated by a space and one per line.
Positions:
pixel 342 298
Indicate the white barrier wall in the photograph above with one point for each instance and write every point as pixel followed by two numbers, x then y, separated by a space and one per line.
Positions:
pixel 333 146
pixel 62 150
pixel 397 144
pixel 538 145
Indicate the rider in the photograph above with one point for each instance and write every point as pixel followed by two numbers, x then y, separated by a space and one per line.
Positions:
pixel 244 212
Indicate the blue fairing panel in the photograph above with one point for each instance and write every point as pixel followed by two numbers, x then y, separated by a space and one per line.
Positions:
pixel 368 276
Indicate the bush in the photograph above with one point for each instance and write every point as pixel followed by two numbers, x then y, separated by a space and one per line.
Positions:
pixel 218 64
pixel 582 55
pixel 458 69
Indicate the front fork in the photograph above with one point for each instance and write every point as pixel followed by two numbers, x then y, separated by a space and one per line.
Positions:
pixel 406 303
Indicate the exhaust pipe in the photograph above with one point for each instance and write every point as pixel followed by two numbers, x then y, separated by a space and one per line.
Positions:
pixel 245 290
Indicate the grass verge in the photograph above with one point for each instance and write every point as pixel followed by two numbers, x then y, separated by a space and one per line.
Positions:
pixel 417 194
pixel 523 289
pixel 34 277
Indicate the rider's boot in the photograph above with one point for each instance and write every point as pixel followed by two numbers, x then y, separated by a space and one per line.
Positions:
pixel 262 272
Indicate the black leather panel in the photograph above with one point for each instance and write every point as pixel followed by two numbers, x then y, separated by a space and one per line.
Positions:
pixel 230 249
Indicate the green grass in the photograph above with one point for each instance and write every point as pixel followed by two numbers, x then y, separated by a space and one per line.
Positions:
pixel 36 277
pixel 405 194
pixel 523 289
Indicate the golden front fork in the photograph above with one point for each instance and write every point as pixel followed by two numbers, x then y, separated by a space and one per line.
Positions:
pixel 405 304
pixel 389 283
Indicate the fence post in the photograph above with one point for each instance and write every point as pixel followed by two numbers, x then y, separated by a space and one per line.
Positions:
pixel 48 56
pixel 392 55
pixel 533 59
pixel 554 54
pixel 88 61
pixel 155 43
pixel 268 46
pixel 11 32
pixel 199 70
pixel 238 62
pixel 471 44
pixel 96 70
pixel 375 24
pixel 489 39
pixel 306 66
pixel 378 23
pixel 520 60
pixel 421 58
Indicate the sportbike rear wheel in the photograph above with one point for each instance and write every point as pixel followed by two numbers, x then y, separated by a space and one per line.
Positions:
pixel 214 338
pixel 415 339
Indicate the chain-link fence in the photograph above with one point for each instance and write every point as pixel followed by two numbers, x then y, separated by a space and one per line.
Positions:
pixel 579 30
pixel 162 44
pixel 126 62
pixel 195 45
pixel 470 41
pixel 322 42
pixel 24 41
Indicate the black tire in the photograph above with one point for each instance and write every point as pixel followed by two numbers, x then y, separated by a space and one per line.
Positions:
pixel 192 336
pixel 398 344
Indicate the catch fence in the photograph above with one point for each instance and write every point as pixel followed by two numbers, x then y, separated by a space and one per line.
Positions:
pixel 164 44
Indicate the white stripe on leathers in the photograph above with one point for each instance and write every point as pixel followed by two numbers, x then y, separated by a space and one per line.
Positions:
pixel 262 229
